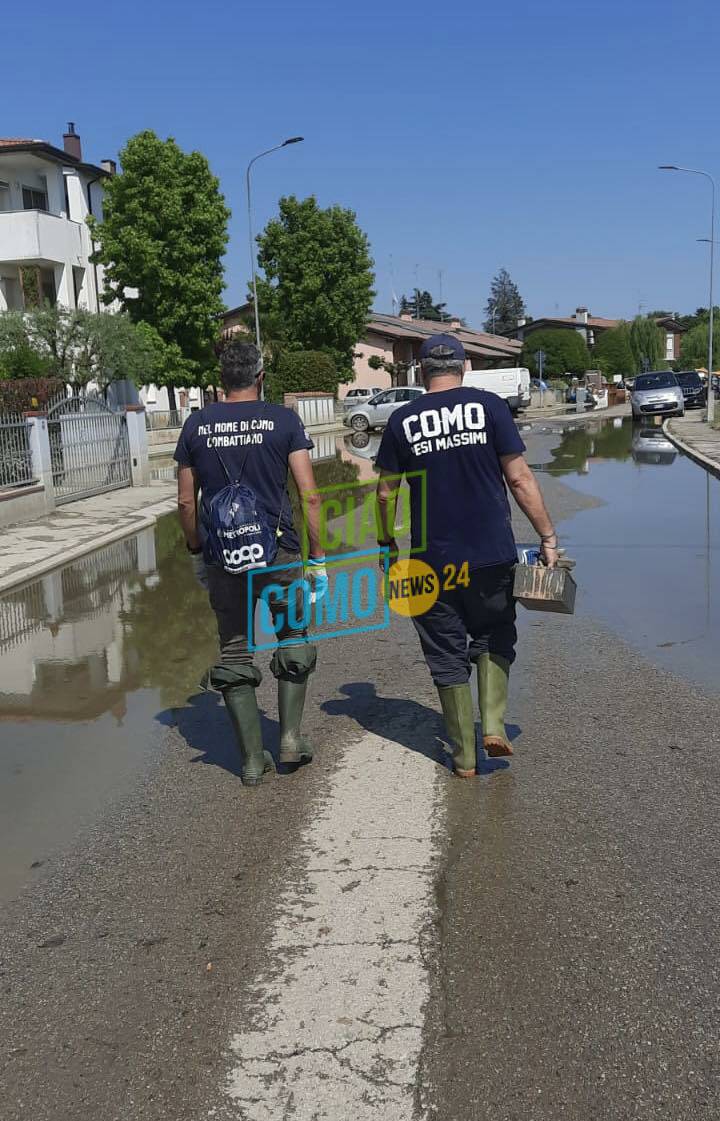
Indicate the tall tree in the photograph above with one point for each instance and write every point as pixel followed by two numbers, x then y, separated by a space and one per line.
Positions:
pixel 505 305
pixel 694 346
pixel 422 306
pixel 613 352
pixel 565 352
pixel 164 232
pixel 318 284
pixel 648 344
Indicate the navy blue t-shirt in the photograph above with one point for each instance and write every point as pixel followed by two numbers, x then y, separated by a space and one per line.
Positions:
pixel 455 439
pixel 254 440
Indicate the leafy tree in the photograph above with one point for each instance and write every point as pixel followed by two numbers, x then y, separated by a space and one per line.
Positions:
pixel 694 346
pixel 507 304
pixel 318 284
pixel 422 306
pixel 301 371
pixel 648 344
pixel 613 353
pixel 78 346
pixel 565 351
pixel 164 232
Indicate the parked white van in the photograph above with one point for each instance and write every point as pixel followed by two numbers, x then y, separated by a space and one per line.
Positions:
pixel 512 384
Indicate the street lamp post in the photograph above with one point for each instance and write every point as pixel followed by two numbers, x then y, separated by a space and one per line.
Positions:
pixel 253 269
pixel 706 175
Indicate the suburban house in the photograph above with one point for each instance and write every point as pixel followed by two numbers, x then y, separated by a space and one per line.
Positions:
pixel 46 193
pixel 396 340
pixel 590 326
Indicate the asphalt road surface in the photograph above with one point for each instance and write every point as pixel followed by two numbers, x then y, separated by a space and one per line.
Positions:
pixel 368 937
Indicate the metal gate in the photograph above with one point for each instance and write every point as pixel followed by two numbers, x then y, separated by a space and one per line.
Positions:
pixel 89 448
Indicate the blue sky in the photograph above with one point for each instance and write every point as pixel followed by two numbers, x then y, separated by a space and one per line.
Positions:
pixel 466 136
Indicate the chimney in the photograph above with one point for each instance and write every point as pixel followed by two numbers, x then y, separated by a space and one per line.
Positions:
pixel 71 142
pixel 581 314
pixel 406 315
pixel 521 321
pixel 110 166
pixel 454 324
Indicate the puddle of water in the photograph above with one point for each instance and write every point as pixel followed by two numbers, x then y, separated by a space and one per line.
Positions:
pixel 91 655
pixel 648 558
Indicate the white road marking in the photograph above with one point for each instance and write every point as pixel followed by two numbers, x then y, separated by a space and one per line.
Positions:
pixel 337 1025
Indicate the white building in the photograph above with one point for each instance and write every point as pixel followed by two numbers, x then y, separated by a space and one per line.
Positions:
pixel 46 194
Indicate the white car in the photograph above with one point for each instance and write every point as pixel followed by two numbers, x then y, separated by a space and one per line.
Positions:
pixel 378 410
pixel 359 396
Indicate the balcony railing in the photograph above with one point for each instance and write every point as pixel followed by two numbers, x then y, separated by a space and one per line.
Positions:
pixel 36 235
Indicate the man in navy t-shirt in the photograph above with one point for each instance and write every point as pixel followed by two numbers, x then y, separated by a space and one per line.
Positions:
pixel 245 439
pixel 458 447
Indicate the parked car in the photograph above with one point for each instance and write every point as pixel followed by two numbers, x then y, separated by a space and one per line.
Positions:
pixel 376 412
pixel 657 392
pixel 692 387
pixel 360 395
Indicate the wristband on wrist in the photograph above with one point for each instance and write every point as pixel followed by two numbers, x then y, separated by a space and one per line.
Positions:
pixel 545 537
pixel 384 544
pixel 194 552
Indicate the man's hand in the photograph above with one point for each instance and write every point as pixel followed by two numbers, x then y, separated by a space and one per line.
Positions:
pixel 317 577
pixel 197 563
pixel 392 552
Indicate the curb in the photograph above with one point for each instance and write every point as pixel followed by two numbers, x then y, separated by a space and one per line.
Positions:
pixel 144 521
pixel 711 465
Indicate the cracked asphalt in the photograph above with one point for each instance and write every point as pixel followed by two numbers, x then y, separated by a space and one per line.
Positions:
pixel 370 938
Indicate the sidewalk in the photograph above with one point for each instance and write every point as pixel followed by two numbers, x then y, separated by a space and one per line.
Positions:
pixel 694 436
pixel 77 528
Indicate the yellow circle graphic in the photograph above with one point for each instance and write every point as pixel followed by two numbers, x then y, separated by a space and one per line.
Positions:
pixel 412 587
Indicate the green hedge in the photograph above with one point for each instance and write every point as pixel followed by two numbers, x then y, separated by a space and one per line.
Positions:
pixel 23 394
pixel 302 371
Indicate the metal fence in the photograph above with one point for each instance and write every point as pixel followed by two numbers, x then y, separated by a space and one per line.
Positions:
pixel 89 447
pixel 160 420
pixel 15 457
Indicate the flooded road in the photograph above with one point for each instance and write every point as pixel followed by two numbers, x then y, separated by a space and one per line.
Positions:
pixel 649 555
pixel 95 656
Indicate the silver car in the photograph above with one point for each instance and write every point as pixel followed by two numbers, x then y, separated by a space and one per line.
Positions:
pixel 378 410
pixel 655 393
pixel 359 396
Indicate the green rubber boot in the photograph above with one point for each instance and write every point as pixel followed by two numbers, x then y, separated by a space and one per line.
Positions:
pixel 492 675
pixel 294 748
pixel 241 703
pixel 457 706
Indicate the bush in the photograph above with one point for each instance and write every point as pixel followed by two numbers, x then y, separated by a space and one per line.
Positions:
pixel 302 371
pixel 23 394
pixel 558 385
pixel 23 362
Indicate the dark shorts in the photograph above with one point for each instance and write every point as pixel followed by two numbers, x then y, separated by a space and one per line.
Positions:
pixel 229 601
pixel 467 622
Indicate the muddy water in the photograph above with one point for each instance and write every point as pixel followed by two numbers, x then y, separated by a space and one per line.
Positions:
pixel 93 657
pixel 649 555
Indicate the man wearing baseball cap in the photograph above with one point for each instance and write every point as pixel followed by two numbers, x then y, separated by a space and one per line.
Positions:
pixel 459 447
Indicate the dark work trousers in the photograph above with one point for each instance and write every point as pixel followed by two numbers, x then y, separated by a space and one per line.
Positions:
pixel 229 601
pixel 467 622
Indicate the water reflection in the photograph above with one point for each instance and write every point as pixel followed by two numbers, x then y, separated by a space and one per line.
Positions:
pixel 581 445
pixel 74 643
pixel 651 446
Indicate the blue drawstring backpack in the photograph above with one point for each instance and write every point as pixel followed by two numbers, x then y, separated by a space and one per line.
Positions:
pixel 239 531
